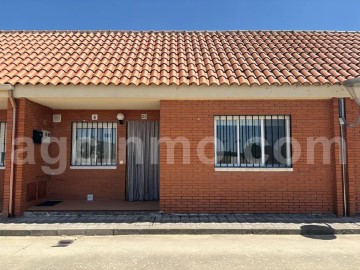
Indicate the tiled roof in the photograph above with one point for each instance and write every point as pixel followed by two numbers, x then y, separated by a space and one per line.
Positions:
pixel 178 58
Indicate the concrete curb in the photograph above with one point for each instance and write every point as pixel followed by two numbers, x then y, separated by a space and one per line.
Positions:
pixel 167 231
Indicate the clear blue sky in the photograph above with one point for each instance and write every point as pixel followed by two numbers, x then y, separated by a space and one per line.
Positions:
pixel 180 14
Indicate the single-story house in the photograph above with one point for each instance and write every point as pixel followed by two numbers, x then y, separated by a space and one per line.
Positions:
pixel 192 122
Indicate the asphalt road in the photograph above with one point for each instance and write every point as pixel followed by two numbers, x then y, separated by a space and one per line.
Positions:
pixel 181 252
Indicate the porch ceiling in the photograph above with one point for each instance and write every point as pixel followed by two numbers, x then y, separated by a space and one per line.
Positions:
pixel 98 104
pixel 3 99
pixel 3 103
pixel 148 97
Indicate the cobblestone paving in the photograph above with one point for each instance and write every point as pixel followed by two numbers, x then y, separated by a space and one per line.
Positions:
pixel 157 223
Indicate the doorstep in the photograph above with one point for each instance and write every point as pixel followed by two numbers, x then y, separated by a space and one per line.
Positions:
pixel 158 223
pixel 87 213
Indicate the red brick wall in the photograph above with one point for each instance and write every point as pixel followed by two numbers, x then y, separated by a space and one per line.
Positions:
pixel 30 116
pixel 196 187
pixel 353 147
pixel 103 183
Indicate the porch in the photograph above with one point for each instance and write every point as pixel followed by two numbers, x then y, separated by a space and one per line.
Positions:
pixel 90 158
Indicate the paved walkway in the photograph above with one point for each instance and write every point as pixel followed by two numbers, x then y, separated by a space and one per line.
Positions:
pixel 156 223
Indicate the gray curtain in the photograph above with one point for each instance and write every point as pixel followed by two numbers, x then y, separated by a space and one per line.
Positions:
pixel 142 161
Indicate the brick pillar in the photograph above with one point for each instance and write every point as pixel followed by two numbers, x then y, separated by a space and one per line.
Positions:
pixel 30 116
pixel 9 127
pixel 20 187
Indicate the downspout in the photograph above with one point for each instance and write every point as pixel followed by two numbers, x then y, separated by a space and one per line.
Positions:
pixel 343 153
pixel 10 88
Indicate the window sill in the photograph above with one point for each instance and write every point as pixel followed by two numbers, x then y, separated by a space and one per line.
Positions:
pixel 93 167
pixel 2 167
pixel 226 169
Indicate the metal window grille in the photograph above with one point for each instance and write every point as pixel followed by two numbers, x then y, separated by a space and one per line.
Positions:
pixel 2 143
pixel 94 144
pixel 253 141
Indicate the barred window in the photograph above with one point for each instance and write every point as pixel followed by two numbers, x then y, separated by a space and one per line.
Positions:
pixel 2 143
pixel 93 144
pixel 253 141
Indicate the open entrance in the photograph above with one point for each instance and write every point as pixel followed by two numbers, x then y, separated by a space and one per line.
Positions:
pixel 142 161
pixel 102 190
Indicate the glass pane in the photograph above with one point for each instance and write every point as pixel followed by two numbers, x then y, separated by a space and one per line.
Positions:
pixel 250 141
pixel 275 142
pixel 94 144
pixel 85 146
pixel 106 146
pixel 253 141
pixel 226 146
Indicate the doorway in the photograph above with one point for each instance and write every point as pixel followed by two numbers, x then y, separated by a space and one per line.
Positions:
pixel 143 170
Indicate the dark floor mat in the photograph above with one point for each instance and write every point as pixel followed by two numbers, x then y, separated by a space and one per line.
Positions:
pixel 49 203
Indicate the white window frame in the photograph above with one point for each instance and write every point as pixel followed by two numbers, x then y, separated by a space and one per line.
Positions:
pixel 88 164
pixel 262 166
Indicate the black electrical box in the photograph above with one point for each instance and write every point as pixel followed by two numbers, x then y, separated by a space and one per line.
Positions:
pixel 37 136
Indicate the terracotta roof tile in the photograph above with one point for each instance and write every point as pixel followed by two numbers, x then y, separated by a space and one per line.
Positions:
pixel 176 58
